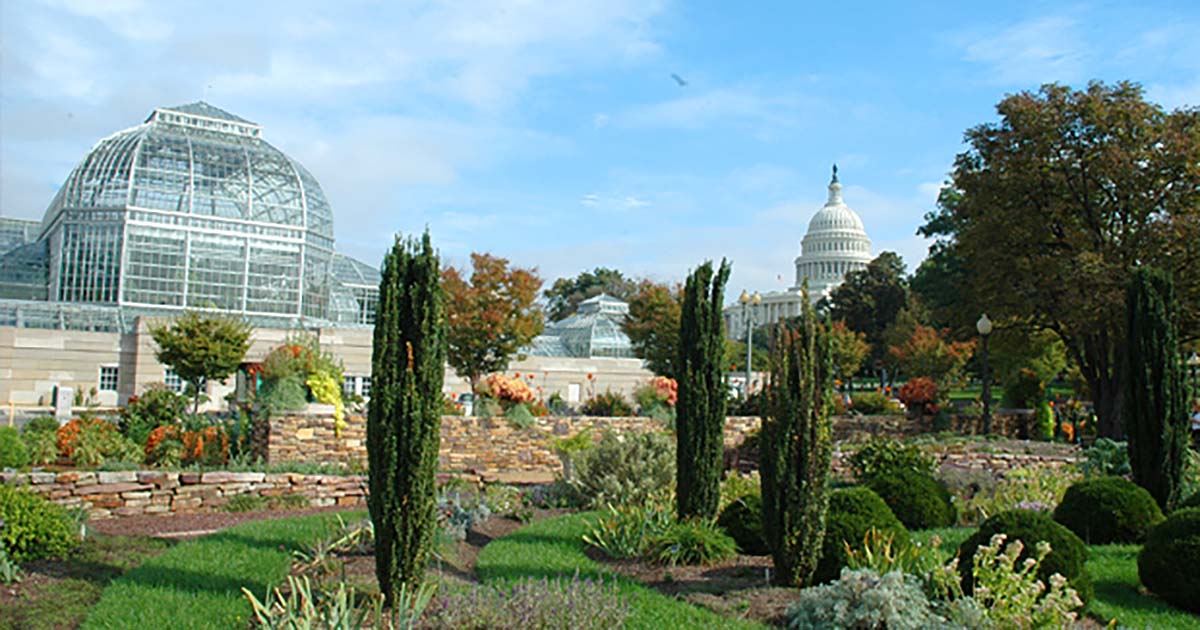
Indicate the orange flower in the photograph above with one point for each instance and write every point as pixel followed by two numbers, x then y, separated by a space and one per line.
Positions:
pixel 590 376
pixel 517 374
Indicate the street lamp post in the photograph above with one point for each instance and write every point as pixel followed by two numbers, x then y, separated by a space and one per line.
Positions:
pixel 984 326
pixel 749 303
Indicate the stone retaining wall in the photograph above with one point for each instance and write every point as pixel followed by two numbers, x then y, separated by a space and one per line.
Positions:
pixel 127 493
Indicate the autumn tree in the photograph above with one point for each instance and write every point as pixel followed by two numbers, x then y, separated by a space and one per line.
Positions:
pixel 1059 200
pixel 201 348
pixel 490 316
pixel 652 326
pixel 869 300
pixel 563 298
pixel 848 349
pixel 928 353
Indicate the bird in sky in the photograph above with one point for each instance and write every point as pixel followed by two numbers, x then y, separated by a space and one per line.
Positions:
pixel 679 80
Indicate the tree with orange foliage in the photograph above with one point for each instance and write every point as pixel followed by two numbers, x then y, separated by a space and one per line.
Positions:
pixel 927 353
pixel 490 316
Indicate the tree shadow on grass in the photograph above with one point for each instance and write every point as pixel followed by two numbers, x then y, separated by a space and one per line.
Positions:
pixel 189 581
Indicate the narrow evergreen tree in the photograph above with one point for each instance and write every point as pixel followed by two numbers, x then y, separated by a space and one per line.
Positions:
pixel 404 419
pixel 700 410
pixel 796 447
pixel 1155 409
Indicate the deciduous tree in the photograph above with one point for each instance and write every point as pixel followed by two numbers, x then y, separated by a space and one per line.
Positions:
pixel 652 326
pixel 490 316
pixel 848 349
pixel 563 298
pixel 927 353
pixel 1059 200
pixel 869 300
pixel 201 348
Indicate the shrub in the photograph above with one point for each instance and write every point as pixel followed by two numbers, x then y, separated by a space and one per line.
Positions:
pixel 282 394
pixel 853 512
pixel 873 403
pixel 629 468
pixel 1043 421
pixel 1190 502
pixel 40 424
pixel 1038 488
pixel 1066 557
pixel 506 389
pixel 1105 458
pixel 157 406
pixel 93 441
pixel 919 393
pixel 694 541
pixel 518 416
pixel 742 520
pixel 610 404
pixel 625 530
pixel 1167 563
pixel 917 499
pixel 33 526
pixel 13 453
pixel 884 456
pixel 528 603
pixel 881 554
pixel 1023 390
pixel 1108 510
pixel 42 446
pixel 457 512
pixel 864 599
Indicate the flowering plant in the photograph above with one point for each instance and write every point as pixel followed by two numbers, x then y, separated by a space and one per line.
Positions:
pixel 1010 593
pixel 666 388
pixel 507 389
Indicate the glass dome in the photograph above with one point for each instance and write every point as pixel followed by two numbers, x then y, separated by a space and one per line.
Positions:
pixel 593 331
pixel 191 209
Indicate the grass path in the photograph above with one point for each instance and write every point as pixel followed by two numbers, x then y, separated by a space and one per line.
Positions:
pixel 197 584
pixel 553 547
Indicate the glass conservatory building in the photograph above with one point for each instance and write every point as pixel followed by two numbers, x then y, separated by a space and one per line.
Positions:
pixel 192 209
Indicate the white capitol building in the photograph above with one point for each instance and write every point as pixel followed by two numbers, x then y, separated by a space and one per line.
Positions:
pixel 835 245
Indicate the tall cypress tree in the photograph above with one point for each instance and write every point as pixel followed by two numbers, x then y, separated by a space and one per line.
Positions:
pixel 700 410
pixel 796 441
pixel 404 418
pixel 1155 409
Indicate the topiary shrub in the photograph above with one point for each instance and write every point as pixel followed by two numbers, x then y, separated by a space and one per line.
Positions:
pixel 13 453
pixel 1108 510
pixel 1067 551
pixel 1167 563
pixel 742 520
pixel 33 526
pixel 917 499
pixel 853 512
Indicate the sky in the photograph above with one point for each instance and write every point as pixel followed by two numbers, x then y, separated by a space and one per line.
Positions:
pixel 553 133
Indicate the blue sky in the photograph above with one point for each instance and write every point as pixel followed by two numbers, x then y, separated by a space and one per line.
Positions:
pixel 552 132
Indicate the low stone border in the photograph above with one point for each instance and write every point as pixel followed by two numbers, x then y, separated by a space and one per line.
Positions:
pixel 128 493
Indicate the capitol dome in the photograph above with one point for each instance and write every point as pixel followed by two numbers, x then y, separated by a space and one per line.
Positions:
pixel 835 245
pixel 191 209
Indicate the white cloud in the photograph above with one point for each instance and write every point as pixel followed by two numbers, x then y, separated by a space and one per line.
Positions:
pixel 1030 52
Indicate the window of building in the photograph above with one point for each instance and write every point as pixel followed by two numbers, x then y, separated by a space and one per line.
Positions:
pixel 109 377
pixel 348 385
pixel 366 387
pixel 173 382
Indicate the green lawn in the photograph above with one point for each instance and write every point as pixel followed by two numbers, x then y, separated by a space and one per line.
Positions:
pixel 198 583
pixel 1114 573
pixel 59 593
pixel 554 547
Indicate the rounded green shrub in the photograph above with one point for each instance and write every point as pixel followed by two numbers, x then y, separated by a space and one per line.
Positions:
pixel 1108 510
pixel 852 513
pixel 917 499
pixel 1067 551
pixel 1167 563
pixel 742 520
pixel 33 526
pixel 13 453
pixel 1190 502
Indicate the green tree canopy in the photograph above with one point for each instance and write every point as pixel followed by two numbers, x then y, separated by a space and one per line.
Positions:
pixel 563 298
pixel 848 349
pixel 869 300
pixel 201 348
pixel 490 316
pixel 652 325
pixel 1059 200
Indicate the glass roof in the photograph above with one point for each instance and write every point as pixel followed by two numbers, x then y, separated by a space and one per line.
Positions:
pixel 593 331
